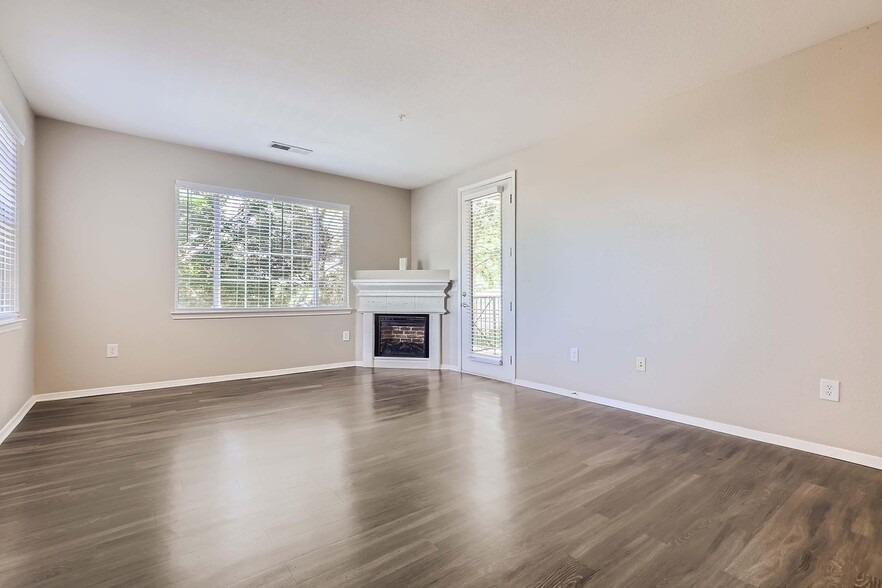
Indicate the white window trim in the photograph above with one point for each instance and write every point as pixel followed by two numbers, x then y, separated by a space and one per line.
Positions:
pixel 15 130
pixel 222 313
pixel 12 321
pixel 228 313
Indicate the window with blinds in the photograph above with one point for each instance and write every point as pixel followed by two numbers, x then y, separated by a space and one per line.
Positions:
pixel 243 250
pixel 9 141
pixel 485 274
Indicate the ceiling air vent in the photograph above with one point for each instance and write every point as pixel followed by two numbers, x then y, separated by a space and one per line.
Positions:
pixel 291 148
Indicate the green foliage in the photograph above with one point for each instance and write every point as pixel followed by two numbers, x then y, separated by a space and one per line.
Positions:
pixel 486 242
pixel 270 253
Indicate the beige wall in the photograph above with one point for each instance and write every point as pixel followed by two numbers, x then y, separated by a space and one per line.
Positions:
pixel 732 235
pixel 105 262
pixel 16 347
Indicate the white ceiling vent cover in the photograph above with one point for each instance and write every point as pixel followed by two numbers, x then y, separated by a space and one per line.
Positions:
pixel 291 148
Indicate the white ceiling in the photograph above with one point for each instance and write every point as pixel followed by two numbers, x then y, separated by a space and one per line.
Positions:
pixel 477 79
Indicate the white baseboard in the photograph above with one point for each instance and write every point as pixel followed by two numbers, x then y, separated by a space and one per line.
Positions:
pixel 444 366
pixel 187 382
pixel 49 396
pixel 873 461
pixel 16 418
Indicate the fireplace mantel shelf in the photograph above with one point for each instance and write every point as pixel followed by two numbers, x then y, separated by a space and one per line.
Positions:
pixel 402 292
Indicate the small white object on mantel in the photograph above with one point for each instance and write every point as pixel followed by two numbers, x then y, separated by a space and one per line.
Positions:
pixel 402 263
pixel 401 292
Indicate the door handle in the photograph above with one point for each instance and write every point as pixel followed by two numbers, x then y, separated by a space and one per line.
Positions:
pixel 465 305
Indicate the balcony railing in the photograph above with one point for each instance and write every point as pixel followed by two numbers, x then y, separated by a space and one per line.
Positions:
pixel 487 323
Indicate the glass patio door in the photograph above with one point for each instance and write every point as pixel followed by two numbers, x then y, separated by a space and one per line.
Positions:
pixel 487 278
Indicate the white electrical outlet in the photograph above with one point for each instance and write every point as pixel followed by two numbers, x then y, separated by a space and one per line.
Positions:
pixel 641 364
pixel 112 350
pixel 346 335
pixel 830 390
pixel 574 354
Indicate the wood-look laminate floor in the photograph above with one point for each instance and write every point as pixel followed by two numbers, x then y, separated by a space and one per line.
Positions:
pixel 407 478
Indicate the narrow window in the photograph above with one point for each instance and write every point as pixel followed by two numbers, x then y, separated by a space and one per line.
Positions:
pixel 10 139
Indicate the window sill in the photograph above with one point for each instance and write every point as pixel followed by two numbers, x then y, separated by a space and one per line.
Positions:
pixel 257 313
pixel 11 324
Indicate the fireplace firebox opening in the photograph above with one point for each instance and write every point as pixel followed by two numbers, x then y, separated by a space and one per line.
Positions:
pixel 401 335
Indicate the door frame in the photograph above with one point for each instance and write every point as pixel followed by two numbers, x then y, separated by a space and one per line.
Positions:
pixel 507 176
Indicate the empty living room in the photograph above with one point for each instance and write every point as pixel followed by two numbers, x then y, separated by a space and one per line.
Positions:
pixel 450 293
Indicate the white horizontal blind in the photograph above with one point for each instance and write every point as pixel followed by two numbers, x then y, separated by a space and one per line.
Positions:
pixel 244 250
pixel 485 275
pixel 8 219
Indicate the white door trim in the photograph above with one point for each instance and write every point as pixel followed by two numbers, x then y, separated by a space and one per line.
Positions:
pixel 507 176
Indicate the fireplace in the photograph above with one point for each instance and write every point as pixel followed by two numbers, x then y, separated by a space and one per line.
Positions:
pixel 401 317
pixel 401 335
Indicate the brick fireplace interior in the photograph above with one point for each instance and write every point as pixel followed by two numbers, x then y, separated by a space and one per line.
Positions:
pixel 401 335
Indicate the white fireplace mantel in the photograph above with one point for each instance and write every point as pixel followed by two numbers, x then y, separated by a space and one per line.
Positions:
pixel 401 292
